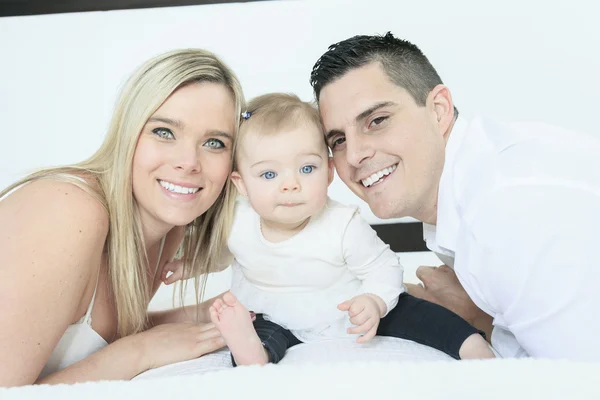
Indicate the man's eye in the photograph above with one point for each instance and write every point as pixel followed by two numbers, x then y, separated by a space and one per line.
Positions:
pixel 163 133
pixel 269 175
pixel 337 142
pixel 377 121
pixel 214 144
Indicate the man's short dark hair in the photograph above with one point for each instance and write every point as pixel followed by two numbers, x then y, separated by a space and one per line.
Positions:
pixel 403 62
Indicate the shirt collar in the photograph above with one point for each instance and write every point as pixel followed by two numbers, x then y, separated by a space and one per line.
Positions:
pixel 442 236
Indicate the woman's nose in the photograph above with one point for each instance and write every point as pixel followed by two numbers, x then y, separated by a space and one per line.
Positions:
pixel 187 159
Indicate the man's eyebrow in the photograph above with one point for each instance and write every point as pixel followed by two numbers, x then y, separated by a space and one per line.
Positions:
pixel 372 109
pixel 169 121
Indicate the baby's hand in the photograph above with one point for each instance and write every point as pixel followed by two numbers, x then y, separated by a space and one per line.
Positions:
pixel 365 313
pixel 172 272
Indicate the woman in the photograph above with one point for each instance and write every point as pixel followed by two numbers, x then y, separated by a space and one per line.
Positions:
pixel 85 244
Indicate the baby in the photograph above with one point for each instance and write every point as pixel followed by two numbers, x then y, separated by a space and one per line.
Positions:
pixel 310 267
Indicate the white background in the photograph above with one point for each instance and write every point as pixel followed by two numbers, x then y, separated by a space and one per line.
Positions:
pixel 59 74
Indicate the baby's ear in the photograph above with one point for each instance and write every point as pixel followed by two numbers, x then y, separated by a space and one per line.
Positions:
pixel 237 180
pixel 331 169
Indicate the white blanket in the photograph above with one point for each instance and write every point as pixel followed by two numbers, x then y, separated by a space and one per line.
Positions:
pixel 351 371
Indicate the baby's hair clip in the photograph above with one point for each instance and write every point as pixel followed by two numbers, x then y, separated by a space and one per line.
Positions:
pixel 246 114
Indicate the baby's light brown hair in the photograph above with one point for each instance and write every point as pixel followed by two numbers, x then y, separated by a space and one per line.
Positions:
pixel 272 113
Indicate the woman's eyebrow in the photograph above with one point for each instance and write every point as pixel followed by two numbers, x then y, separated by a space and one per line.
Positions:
pixel 169 121
pixel 222 134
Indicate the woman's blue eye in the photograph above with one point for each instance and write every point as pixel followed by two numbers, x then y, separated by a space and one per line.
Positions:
pixel 163 133
pixel 307 169
pixel 269 175
pixel 214 144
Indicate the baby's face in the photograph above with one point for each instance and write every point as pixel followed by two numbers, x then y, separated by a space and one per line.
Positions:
pixel 285 175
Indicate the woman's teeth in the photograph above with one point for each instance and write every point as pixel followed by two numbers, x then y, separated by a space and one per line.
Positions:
pixel 377 176
pixel 178 189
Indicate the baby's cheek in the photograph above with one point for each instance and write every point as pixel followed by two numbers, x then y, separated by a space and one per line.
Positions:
pixel 322 195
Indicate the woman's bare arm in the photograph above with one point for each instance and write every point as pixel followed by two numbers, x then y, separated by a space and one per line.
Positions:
pixel 51 240
pixel 132 355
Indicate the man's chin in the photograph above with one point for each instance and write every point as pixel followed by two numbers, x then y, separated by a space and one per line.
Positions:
pixel 382 212
pixel 381 208
pixel 386 210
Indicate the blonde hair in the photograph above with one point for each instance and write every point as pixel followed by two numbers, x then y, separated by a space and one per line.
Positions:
pixel 204 244
pixel 272 113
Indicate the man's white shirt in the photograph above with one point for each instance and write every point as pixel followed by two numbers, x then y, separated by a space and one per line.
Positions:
pixel 518 220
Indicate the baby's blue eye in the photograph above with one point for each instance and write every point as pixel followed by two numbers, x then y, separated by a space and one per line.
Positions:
pixel 307 169
pixel 269 175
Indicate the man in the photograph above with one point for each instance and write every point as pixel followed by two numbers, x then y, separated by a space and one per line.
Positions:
pixel 514 209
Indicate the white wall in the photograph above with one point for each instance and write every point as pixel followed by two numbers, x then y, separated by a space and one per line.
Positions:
pixel 60 74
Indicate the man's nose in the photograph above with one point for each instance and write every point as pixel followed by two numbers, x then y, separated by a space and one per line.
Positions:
pixel 358 151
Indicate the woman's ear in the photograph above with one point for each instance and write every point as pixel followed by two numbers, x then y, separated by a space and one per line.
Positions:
pixel 237 180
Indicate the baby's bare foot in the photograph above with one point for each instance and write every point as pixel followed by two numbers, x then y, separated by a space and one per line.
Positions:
pixel 235 324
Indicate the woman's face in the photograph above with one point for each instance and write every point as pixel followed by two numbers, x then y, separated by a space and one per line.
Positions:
pixel 183 155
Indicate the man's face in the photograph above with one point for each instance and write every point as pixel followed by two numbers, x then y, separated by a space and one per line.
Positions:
pixel 388 150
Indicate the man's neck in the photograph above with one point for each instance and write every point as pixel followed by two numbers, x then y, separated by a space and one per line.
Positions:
pixel 428 214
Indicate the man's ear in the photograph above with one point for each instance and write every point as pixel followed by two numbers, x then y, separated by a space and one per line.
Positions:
pixel 331 170
pixel 237 180
pixel 440 100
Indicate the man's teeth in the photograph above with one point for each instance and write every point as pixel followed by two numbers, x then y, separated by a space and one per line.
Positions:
pixel 377 176
pixel 177 189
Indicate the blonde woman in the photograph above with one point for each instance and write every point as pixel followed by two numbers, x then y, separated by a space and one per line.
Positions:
pixel 82 246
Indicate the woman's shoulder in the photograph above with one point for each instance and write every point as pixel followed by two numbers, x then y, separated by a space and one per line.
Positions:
pixel 54 201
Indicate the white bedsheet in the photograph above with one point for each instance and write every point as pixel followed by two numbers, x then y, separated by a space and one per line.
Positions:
pixel 339 351
pixel 492 379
